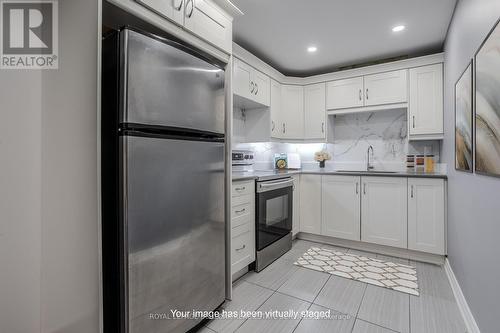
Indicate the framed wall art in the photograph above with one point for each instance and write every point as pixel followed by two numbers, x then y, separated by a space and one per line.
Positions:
pixel 463 121
pixel 487 102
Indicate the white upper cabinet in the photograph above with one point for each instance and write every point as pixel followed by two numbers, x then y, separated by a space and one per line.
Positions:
pixel 315 111
pixel 242 74
pixel 426 217
pixel 201 17
pixel 341 207
pixel 251 84
pixel 426 102
pixel 384 210
pixel 275 109
pixel 205 19
pixel 386 88
pixel 292 111
pixel 346 93
pixel 170 9
pixel 310 204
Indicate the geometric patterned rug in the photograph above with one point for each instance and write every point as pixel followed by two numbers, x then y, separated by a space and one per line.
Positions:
pixel 360 268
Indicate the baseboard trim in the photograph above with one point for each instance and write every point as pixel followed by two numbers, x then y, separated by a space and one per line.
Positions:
pixel 467 316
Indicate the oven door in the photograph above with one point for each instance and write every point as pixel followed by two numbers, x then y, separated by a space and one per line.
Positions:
pixel 274 211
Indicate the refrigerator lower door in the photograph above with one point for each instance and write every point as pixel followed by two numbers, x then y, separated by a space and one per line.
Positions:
pixel 164 84
pixel 173 207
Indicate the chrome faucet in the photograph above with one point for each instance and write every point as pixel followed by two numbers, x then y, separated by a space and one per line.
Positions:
pixel 369 165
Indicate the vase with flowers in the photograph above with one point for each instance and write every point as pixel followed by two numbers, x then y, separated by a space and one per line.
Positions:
pixel 322 156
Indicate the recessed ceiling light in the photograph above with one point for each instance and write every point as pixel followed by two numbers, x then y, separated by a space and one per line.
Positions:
pixel 312 49
pixel 398 28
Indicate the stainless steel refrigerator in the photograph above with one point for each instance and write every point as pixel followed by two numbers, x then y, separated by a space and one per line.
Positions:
pixel 163 183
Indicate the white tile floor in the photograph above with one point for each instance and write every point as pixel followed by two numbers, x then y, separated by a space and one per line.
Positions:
pixel 366 308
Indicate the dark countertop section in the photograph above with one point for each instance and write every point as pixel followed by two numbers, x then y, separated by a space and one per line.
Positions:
pixel 276 174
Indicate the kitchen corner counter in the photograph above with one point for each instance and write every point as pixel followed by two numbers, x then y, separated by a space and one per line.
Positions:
pixel 275 174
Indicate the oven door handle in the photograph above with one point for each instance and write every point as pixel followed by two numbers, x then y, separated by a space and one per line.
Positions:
pixel 273 185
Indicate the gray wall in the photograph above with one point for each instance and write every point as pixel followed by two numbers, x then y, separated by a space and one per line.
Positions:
pixel 49 276
pixel 474 200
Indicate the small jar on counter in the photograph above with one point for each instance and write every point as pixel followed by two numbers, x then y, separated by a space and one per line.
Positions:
pixel 410 162
pixel 420 163
pixel 429 163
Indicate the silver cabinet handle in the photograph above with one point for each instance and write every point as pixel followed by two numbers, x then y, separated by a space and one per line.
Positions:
pixel 272 125
pixel 241 248
pixel 364 188
pixel 256 88
pixel 360 98
pixel 322 127
pixel 411 191
pixel 252 87
pixel 240 188
pixel 357 187
pixel 284 128
pixel 179 7
pixel 192 8
pixel 240 211
pixel 413 121
pixel 366 93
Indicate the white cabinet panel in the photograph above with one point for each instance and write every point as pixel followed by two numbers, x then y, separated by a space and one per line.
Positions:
pixel 426 204
pixel 292 104
pixel 346 93
pixel 310 204
pixel 386 88
pixel 242 246
pixel 341 207
pixel 426 100
pixel 170 9
pixel 242 74
pixel 296 205
pixel 261 90
pixel 314 111
pixel 205 19
pixel 275 109
pixel 384 211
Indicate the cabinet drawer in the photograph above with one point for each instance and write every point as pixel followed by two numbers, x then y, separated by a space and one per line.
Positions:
pixel 242 210
pixel 243 188
pixel 242 246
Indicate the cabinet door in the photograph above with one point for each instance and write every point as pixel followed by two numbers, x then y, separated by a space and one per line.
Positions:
pixel 261 85
pixel 426 100
pixel 426 215
pixel 205 19
pixel 340 197
pixel 384 211
pixel 310 204
pixel 292 103
pixel 277 129
pixel 170 9
pixel 386 88
pixel 241 78
pixel 343 94
pixel 296 205
pixel 314 111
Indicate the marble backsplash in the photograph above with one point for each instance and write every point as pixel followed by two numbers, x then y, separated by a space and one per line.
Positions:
pixel 386 131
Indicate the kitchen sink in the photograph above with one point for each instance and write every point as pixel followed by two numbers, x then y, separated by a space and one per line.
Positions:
pixel 367 171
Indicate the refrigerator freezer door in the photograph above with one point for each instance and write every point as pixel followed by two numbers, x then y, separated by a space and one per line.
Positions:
pixel 173 199
pixel 166 85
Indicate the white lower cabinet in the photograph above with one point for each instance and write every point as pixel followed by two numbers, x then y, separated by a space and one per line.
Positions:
pixel 296 205
pixel 341 200
pixel 384 211
pixel 310 204
pixel 426 217
pixel 242 224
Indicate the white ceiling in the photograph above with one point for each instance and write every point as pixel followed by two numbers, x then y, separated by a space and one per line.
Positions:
pixel 346 32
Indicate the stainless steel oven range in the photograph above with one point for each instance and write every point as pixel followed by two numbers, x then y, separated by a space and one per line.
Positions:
pixel 274 209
